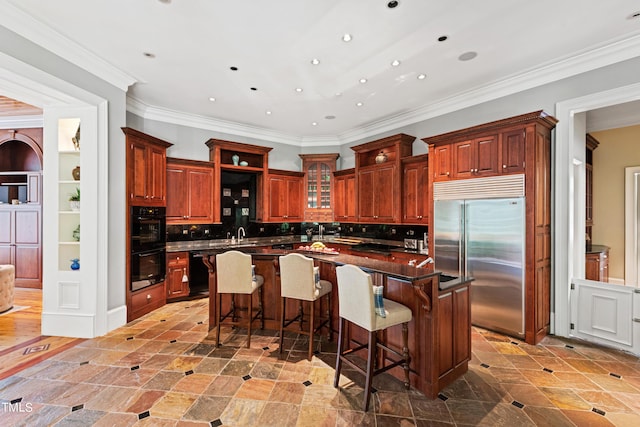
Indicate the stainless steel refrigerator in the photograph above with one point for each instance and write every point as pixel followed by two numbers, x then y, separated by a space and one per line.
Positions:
pixel 485 239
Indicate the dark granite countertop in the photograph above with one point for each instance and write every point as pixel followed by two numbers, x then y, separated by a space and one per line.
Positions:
pixel 596 249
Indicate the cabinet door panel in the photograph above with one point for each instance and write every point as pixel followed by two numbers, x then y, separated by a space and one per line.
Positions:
pixel 27 227
pixel 350 197
pixel 365 194
pixel 176 193
pixel 294 199
pixel 442 163
pixel 462 347
pixel 384 193
pixel 140 172
pixel 6 254
pixel 410 193
pixel 513 151
pixel 339 197
pixel 27 263
pixel 277 197
pixel 201 194
pixel 157 176
pixel 486 155
pixel 6 219
pixel 463 159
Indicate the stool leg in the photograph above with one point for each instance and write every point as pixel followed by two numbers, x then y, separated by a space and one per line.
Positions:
pixel 250 320
pixel 260 306
pixel 329 316
pixel 300 313
pixel 311 325
pixel 373 344
pixel 336 378
pixel 405 353
pixel 218 301
pixel 282 317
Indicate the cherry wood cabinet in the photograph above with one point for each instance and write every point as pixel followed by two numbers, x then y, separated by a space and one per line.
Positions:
pixel 177 269
pixel 379 180
pixel 189 192
pixel 285 196
pixel 146 169
pixel 454 339
pixel 591 145
pixel 319 186
pixel 523 146
pixel 415 195
pixel 345 195
pixel 476 157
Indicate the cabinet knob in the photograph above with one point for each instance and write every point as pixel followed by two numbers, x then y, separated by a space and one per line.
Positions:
pixel 148 297
pixel 447 173
pixel 504 166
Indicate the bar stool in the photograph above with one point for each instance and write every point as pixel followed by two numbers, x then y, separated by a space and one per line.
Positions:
pixel 7 286
pixel 357 305
pixel 299 280
pixel 235 275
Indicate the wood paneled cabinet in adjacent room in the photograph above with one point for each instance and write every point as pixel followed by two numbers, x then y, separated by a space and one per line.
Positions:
pixel 284 196
pixel 189 192
pixel 177 271
pixel 344 197
pixel 146 169
pixel 20 243
pixel 597 263
pixel 415 176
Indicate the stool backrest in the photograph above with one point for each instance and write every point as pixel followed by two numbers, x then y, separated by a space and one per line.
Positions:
pixel 234 273
pixel 297 279
pixel 355 296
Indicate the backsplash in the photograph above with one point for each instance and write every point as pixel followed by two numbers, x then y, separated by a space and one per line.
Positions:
pixel 397 232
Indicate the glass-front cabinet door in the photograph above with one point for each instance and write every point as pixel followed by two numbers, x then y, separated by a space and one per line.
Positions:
pixel 318 169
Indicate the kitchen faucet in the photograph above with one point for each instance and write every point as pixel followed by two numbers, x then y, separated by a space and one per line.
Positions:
pixel 320 228
pixel 243 234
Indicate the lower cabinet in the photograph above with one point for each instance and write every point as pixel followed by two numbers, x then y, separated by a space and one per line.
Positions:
pixel 177 271
pixel 20 244
pixel 454 338
pixel 146 300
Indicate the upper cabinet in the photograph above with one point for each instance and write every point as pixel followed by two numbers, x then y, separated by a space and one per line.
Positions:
pixel 319 186
pixel 189 192
pixel 234 163
pixel 284 196
pixel 476 157
pixel 344 195
pixel 146 169
pixel 378 178
pixel 415 175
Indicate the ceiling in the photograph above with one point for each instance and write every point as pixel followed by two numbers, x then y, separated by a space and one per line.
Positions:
pixel 177 55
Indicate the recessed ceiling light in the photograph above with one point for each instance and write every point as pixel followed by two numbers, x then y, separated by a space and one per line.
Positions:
pixel 395 63
pixel 314 123
pixel 268 113
pixel 442 38
pixel 347 37
pixel 149 54
pixel 634 15
pixel 329 117
pixel 298 89
pixel 253 88
pixel 467 56
pixel 363 80
pixel 212 99
pixel 359 104
pixel 315 61
pixel 338 93
pixel 233 68
pixel 393 4
pixel 422 76
pixel 165 1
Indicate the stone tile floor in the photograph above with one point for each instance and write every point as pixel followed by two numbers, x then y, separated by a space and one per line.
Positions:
pixel 163 370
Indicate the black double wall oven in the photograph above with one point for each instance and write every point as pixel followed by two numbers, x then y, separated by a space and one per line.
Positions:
pixel 148 246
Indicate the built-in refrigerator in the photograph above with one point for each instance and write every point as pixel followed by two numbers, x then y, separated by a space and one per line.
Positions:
pixel 484 238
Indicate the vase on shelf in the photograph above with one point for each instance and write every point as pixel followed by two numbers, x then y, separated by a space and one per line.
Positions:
pixel 75 173
pixel 235 158
pixel 381 157
pixel 75 264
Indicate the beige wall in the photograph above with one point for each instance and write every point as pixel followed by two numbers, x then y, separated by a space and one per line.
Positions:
pixel 618 149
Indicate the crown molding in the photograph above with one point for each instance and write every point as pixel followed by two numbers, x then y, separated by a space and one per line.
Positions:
pixel 21 122
pixel 25 25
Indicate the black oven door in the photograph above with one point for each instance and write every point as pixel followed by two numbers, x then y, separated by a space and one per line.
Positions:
pixel 148 228
pixel 147 268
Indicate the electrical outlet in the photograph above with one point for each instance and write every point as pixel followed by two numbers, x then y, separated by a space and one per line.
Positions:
pixel 185 232
pixel 411 233
pixel 261 229
pixel 206 231
pixel 393 231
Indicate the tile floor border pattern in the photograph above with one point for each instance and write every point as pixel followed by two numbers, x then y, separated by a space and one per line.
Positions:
pixel 164 370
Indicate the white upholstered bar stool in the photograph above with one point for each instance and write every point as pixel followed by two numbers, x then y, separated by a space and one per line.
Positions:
pixel 7 286
pixel 298 281
pixel 357 305
pixel 235 275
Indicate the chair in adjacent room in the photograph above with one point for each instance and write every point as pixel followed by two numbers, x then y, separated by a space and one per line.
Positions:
pixel 235 275
pixel 7 286
pixel 300 280
pixel 362 304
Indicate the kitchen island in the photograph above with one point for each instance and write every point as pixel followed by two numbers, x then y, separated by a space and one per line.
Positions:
pixel 439 333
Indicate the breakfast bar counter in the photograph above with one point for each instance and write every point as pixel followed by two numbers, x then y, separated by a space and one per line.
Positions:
pixel 439 333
